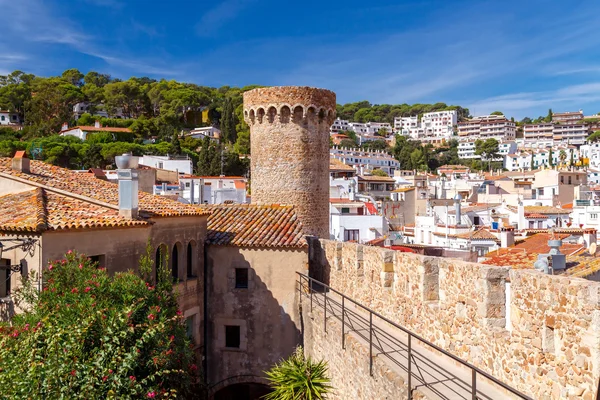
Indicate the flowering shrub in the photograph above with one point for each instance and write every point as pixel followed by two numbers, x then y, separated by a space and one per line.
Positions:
pixel 89 335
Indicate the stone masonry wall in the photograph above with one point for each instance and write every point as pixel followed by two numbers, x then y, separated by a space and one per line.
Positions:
pixel 550 349
pixel 349 367
pixel 289 134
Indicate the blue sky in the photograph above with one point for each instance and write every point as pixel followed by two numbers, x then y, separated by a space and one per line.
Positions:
pixel 520 57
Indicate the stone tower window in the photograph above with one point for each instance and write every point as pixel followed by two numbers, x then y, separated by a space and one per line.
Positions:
pixel 232 336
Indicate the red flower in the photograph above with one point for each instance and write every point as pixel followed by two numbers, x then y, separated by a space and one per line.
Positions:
pixel 151 316
pixel 80 266
pixel 74 290
pixel 152 394
pixel 87 289
pixel 50 267
pixel 110 371
pixel 104 378
pixel 73 372
pixel 132 378
pixel 70 252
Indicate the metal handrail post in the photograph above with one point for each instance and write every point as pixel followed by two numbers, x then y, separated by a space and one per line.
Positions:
pixel 324 310
pixel 409 367
pixel 371 343
pixel 343 323
pixel 473 384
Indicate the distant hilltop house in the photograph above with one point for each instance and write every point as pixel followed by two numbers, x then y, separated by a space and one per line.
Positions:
pixel 10 119
pixel 82 132
pixel 99 110
pixel 205 132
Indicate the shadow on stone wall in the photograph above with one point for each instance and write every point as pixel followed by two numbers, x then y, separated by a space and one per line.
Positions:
pixel 318 265
pixel 269 327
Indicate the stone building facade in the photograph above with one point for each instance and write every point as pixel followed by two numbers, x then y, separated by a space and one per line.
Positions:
pixel 537 333
pixel 289 129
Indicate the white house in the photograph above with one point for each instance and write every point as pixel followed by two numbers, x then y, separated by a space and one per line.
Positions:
pixel 213 189
pixel 439 123
pixel 181 164
pixel 352 220
pixel 82 132
pixel 366 160
pixel 207 131
pixel 9 118
pixel 339 125
pixel 97 110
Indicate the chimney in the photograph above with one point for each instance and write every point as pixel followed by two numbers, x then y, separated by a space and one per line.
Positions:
pixel 65 126
pixel 507 236
pixel 97 124
pixel 457 200
pixel 521 222
pixel 128 185
pixel 20 162
pixel 589 236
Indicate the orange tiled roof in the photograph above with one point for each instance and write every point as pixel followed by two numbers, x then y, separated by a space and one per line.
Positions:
pixel 540 210
pixel 480 234
pixel 89 187
pixel 38 210
pixel 337 165
pixel 100 129
pixel 254 226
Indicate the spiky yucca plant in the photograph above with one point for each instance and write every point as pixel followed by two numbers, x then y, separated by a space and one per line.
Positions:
pixel 298 378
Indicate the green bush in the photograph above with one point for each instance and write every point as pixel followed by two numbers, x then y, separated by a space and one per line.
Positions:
pixel 93 336
pixel 298 378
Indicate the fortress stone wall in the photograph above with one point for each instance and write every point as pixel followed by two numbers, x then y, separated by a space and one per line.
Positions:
pixel 548 348
pixel 289 135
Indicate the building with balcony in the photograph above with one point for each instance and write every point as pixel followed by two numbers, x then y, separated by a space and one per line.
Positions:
pixel 9 118
pixel 570 133
pixel 439 123
pixel 365 161
pixel 535 133
pixel 487 127
pixel 339 125
pixel 356 221
pixel 569 117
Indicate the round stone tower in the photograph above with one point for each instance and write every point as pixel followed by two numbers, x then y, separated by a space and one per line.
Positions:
pixel 289 137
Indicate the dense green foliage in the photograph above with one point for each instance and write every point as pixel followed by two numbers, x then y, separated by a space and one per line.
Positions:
pixel 88 335
pixel 298 378
pixel 363 111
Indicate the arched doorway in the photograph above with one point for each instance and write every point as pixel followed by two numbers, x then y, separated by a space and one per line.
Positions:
pixel 175 263
pixel 242 391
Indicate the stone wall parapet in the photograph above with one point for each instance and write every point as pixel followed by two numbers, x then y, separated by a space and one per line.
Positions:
pixel 541 337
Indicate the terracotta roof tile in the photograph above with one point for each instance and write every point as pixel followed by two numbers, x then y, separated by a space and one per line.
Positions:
pixel 254 226
pixel 38 210
pixel 337 165
pixel 541 210
pixel 89 187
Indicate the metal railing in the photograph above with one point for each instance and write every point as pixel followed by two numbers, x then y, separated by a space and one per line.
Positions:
pixel 348 312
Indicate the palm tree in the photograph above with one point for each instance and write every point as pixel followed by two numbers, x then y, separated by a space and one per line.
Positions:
pixel 562 156
pixel 298 378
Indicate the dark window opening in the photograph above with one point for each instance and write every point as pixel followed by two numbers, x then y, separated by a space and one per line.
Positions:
pixel 351 235
pixel 189 328
pixel 345 210
pixel 232 336
pixel 99 260
pixel 175 263
pixel 241 278
pixel 4 278
pixel 190 270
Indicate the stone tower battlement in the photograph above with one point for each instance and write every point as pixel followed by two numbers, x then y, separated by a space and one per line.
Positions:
pixel 285 104
pixel 289 138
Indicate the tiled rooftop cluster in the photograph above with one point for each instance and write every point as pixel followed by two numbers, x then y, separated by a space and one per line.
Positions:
pixel 254 226
pixel 38 210
pixel 87 185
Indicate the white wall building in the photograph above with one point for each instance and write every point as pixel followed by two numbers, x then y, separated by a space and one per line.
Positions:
pixel 466 150
pixel 439 123
pixel 9 118
pixel 339 125
pixel 591 151
pixel 352 220
pixel 536 133
pixel 486 127
pixel 404 125
pixel 181 164
pixel 366 160
pixel 206 131
pixel 570 133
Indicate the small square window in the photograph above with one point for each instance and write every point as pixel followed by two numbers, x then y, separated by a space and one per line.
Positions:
pixel 232 336
pixel 189 328
pixel 241 278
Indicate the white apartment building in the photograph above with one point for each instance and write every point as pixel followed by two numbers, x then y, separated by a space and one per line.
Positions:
pixel 466 150
pixel 522 159
pixel 404 125
pixel 439 123
pixel 9 118
pixel 569 117
pixel 352 220
pixel 358 127
pixel 570 133
pixel 538 132
pixel 205 132
pixel 181 164
pixel 365 161
pixel 486 127
pixel 375 127
pixel 339 125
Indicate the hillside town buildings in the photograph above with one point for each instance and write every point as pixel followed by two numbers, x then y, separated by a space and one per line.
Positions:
pixel 487 127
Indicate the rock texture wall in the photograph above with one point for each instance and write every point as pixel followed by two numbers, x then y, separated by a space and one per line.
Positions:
pixel 349 367
pixel 550 349
pixel 289 134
